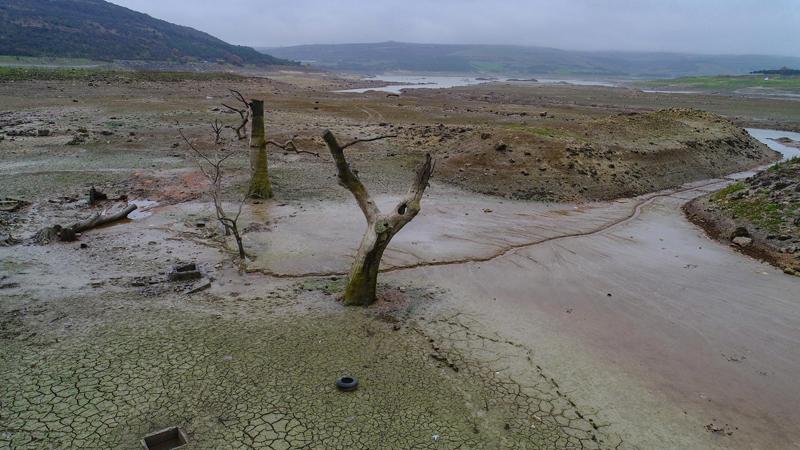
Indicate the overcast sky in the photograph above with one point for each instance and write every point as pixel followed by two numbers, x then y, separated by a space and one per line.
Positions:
pixel 697 26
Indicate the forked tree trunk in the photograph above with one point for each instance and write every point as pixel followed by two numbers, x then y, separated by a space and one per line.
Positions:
pixel 259 172
pixel 363 280
pixel 381 228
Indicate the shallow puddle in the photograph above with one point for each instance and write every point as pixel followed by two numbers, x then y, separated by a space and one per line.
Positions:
pixel 143 210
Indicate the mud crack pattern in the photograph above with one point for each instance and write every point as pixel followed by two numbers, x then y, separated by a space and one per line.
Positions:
pixel 268 383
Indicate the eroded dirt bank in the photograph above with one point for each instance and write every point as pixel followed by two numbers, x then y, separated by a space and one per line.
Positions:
pixel 759 215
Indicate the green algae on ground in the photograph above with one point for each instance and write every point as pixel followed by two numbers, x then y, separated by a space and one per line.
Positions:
pixel 771 204
pixel 728 83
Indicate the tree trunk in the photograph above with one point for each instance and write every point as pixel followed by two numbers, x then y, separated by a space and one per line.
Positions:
pixel 69 233
pixel 363 280
pixel 362 283
pixel 259 173
pixel 239 243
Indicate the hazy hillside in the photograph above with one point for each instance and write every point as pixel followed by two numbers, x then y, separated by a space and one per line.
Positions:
pixel 501 59
pixel 99 30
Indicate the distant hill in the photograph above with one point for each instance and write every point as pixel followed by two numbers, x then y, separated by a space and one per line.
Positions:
pixel 511 60
pixel 98 30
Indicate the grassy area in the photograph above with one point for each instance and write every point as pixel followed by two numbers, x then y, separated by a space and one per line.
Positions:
pixel 756 209
pixel 759 205
pixel 728 83
pixel 56 74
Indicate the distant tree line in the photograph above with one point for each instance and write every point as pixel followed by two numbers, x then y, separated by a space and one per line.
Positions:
pixel 781 71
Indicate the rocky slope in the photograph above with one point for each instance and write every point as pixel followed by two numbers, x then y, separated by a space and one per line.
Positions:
pixel 608 157
pixel 760 215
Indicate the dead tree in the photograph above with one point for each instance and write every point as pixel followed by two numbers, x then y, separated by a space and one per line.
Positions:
pixel 217 128
pixel 381 228
pixel 244 113
pixel 212 168
pixel 70 233
pixel 260 187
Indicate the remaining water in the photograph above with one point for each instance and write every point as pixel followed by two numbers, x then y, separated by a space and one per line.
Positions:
pixel 418 82
pixel 445 82
pixel 667 91
pixel 768 137
pixel 577 82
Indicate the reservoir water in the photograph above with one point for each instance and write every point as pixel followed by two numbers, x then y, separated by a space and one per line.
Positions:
pixel 400 82
pixel 769 137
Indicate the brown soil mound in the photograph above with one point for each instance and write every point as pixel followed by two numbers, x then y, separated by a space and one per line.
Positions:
pixel 617 156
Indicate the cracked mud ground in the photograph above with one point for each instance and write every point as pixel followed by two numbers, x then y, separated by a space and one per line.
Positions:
pixel 92 356
pixel 259 376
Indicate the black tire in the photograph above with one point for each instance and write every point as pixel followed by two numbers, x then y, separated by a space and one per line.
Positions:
pixel 347 384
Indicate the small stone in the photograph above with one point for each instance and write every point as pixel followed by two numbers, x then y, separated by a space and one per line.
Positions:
pixel 185 272
pixel 742 241
pixel 740 232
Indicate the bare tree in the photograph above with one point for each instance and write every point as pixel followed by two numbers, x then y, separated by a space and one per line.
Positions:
pixel 244 113
pixel 212 168
pixel 381 228
pixel 217 128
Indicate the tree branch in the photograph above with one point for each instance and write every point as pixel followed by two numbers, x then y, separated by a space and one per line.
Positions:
pixel 239 96
pixel 409 207
pixel 349 180
pixel 243 113
pixel 358 141
pixel 290 146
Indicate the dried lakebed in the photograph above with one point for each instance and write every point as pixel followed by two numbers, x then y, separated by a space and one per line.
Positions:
pixel 513 324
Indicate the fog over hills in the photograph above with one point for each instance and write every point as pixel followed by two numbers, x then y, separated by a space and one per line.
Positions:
pixel 522 60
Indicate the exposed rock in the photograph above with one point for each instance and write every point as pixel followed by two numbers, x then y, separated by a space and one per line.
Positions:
pixel 185 272
pixel 740 232
pixel 742 241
